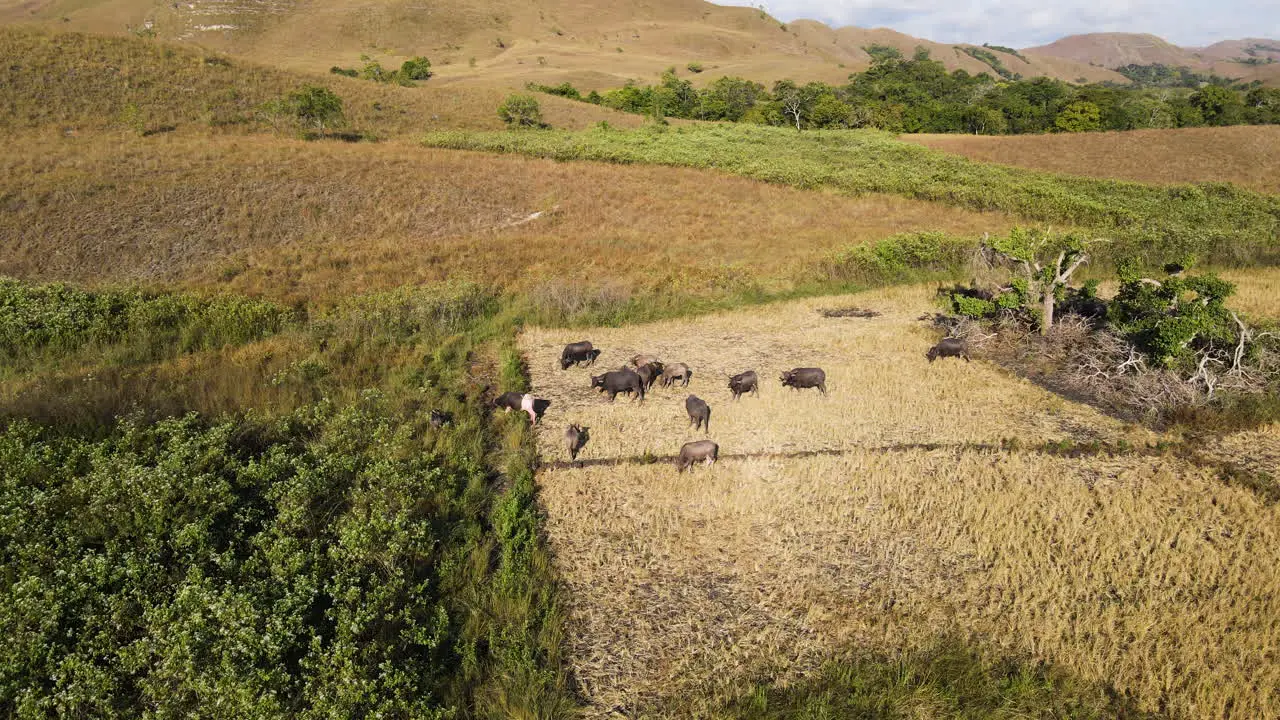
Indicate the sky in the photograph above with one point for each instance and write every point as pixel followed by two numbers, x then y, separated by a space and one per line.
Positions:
pixel 1025 23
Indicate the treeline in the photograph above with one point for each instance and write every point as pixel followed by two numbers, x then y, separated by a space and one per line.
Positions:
pixel 919 95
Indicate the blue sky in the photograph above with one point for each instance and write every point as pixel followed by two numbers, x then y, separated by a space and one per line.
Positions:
pixel 1024 23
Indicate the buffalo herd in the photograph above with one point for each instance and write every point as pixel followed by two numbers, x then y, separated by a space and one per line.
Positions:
pixel 637 378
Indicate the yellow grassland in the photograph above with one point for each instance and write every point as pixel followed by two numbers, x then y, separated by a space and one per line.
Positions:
pixel 886 514
pixel 1246 155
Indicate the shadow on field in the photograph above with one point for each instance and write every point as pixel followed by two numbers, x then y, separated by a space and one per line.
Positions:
pixel 1091 448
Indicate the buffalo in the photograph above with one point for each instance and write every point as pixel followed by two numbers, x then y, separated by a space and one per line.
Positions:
pixel 575 438
pixel 699 413
pixel 949 347
pixel 805 378
pixel 649 373
pixel 676 372
pixel 644 359
pixel 579 353
pixel 697 451
pixel 618 381
pixel 744 382
pixel 524 402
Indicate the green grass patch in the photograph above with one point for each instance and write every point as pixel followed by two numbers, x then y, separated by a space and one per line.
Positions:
pixel 1219 222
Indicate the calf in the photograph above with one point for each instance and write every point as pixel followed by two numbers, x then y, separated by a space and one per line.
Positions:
pixel 617 381
pixel 575 438
pixel 949 347
pixel 745 382
pixel 578 353
pixel 799 378
pixel 676 372
pixel 699 413
pixel 697 451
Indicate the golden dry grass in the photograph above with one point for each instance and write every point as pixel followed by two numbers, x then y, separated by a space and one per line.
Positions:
pixel 83 83
pixel 299 220
pixel 1246 155
pixel 884 515
pixel 1257 291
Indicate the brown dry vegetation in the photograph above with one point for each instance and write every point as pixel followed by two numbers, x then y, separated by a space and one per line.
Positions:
pixel 1246 155
pixel 303 220
pixel 886 514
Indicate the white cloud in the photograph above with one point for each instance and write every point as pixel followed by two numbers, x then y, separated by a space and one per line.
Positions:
pixel 1023 23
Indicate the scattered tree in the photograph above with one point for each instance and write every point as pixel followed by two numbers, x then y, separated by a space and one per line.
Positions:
pixel 1043 280
pixel 315 106
pixel 521 111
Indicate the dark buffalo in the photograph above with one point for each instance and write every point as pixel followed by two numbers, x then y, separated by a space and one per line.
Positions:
pixel 805 378
pixel 579 353
pixel 508 401
pixel 440 418
pixel 676 372
pixel 649 373
pixel 699 413
pixel 697 451
pixel 575 438
pixel 619 381
pixel 949 347
pixel 745 382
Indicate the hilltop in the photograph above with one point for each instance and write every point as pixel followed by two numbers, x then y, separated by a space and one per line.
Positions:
pixel 597 44
pixel 1246 59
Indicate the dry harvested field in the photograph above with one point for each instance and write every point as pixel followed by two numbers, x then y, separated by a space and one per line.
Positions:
pixel 1257 291
pixel 271 215
pixel 912 501
pixel 1246 155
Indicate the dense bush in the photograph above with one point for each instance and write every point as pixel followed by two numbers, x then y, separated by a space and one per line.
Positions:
pixel 1175 319
pixel 48 320
pixel 342 558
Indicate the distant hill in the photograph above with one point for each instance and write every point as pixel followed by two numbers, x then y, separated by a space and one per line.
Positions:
pixel 594 44
pixel 1246 59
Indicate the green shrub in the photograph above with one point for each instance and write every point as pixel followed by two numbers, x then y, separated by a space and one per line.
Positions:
pixel 347 72
pixel 315 106
pixel 972 307
pixel 521 111
pixel 899 258
pixel 695 67
pixel 1169 320
pixel 418 68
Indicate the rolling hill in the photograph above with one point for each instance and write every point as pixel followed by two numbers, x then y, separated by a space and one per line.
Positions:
pixel 1246 59
pixel 596 44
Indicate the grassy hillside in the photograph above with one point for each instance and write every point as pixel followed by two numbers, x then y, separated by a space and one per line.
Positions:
pixel 1117 49
pixel 85 82
pixel 1246 156
pixel 489 42
pixel 1217 222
